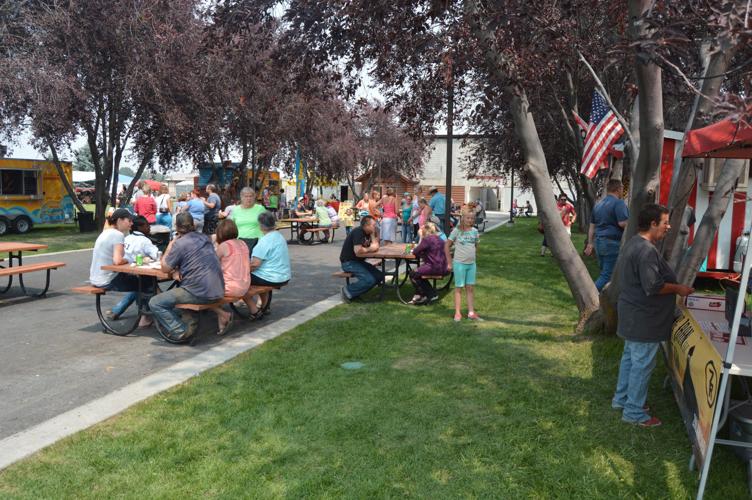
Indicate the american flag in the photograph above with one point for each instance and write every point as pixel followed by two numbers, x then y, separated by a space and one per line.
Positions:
pixel 603 131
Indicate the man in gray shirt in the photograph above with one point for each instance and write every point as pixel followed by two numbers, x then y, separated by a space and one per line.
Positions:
pixel 201 282
pixel 646 305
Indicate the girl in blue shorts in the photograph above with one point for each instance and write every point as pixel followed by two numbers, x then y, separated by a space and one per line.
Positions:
pixel 464 238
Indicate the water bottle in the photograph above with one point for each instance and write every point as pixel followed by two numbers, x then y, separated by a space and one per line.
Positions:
pixel 139 260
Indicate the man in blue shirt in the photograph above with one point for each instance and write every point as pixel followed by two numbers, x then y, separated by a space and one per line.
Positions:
pixel 437 204
pixel 607 223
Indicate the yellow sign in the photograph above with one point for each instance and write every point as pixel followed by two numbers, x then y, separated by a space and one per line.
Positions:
pixel 347 218
pixel 695 367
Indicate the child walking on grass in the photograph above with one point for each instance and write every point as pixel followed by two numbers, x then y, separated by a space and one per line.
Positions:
pixel 465 240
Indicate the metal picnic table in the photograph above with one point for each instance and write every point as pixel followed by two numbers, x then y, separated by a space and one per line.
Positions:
pixel 147 271
pixel 15 250
pixel 295 223
pixel 398 253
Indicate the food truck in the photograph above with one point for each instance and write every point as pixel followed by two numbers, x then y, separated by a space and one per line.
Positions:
pixel 720 260
pixel 32 193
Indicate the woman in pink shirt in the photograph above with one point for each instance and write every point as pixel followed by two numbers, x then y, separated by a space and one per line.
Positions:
pixel 146 205
pixel 390 206
pixel 236 268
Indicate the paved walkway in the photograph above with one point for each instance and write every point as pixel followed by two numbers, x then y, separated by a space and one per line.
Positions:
pixel 55 357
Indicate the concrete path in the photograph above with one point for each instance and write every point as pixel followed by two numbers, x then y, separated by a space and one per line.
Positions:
pixel 55 357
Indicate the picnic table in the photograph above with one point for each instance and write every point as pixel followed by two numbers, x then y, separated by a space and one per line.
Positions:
pixel 152 271
pixel 398 253
pixel 15 250
pixel 295 226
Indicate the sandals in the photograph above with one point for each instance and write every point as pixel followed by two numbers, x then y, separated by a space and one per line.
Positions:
pixel 222 330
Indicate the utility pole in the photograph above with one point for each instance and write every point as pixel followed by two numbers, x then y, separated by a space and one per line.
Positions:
pixel 511 201
pixel 450 141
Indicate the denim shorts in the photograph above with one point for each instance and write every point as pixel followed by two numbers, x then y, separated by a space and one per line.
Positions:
pixel 464 274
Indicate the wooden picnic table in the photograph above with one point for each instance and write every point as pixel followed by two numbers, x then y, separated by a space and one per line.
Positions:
pixel 398 253
pixel 15 250
pixel 146 271
pixel 295 223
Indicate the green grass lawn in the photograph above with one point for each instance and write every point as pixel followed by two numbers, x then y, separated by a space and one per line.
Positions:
pixel 514 407
pixel 57 237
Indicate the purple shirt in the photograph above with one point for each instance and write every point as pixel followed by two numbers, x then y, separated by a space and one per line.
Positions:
pixel 431 252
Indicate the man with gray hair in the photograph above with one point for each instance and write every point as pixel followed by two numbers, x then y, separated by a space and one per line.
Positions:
pixel 192 254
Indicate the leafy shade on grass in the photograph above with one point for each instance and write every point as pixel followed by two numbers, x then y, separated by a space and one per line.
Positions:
pixel 513 407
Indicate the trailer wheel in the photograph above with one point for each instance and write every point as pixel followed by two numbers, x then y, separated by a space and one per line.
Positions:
pixel 4 226
pixel 22 224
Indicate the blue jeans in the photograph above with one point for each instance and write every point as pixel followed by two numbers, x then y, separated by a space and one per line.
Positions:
pixel 407 232
pixel 637 364
pixel 608 252
pixel 367 275
pixel 163 304
pixel 348 229
pixel 164 219
pixel 124 282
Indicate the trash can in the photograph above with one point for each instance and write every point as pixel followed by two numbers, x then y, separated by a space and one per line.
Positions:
pixel 160 236
pixel 86 222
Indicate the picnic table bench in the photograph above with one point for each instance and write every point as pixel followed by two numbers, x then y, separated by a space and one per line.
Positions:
pixel 304 229
pixel 15 252
pixel 397 252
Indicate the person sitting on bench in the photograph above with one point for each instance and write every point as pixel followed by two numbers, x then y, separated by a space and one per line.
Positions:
pixel 270 261
pixel 431 251
pixel 192 254
pixel 136 243
pixel 109 250
pixel 361 242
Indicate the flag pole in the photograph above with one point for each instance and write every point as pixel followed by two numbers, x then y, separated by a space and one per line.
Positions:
pixel 603 92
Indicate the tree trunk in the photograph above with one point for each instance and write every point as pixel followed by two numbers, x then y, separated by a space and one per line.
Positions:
pixel 68 188
pixel 645 157
pixel 649 80
pixel 576 274
pixel 722 197
pixel 141 167
pixel 684 180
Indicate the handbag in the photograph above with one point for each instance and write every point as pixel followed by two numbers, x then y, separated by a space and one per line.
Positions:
pixel 162 205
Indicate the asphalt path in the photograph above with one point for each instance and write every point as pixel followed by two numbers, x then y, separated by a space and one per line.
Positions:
pixel 54 356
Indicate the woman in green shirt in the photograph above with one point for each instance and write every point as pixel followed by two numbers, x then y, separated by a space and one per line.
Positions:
pixel 323 216
pixel 246 216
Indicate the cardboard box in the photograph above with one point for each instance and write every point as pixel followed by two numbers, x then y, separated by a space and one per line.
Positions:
pixel 706 302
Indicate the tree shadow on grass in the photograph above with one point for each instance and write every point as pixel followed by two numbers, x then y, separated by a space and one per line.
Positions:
pixel 728 475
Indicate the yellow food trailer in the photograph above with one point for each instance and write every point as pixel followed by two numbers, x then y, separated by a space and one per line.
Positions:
pixel 31 192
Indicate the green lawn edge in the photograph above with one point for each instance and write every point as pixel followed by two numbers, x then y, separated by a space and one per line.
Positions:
pixel 514 407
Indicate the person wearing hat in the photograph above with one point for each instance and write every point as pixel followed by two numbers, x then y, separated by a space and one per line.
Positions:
pixel 438 205
pixel 109 249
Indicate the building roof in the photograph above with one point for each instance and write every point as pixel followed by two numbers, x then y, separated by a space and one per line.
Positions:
pixel 401 177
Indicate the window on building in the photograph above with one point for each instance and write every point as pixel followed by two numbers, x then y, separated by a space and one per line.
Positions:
pixel 19 182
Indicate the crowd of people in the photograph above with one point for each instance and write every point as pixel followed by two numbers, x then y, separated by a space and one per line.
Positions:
pixel 244 249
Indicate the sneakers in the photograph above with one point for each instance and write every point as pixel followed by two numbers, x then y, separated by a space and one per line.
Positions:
pixel 418 300
pixel 651 422
pixel 111 315
pixel 433 298
pixel 457 318
pixel 473 316
pixel 345 297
